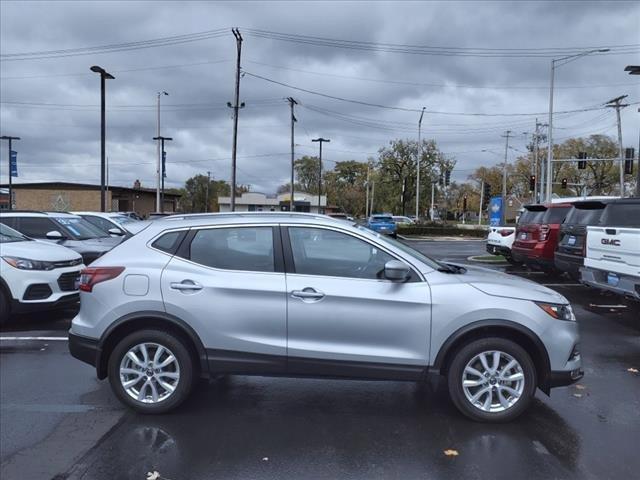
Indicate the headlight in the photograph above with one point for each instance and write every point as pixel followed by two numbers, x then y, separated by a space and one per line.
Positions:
pixel 560 312
pixel 28 264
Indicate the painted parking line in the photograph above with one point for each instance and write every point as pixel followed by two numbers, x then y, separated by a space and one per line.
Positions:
pixel 562 285
pixel 47 339
pixel 607 306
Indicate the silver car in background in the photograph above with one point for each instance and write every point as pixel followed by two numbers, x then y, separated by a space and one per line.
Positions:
pixel 306 295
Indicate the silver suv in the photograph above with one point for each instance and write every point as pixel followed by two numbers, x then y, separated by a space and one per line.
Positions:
pixel 299 294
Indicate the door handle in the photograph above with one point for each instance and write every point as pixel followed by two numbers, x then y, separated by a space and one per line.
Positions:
pixel 307 294
pixel 186 285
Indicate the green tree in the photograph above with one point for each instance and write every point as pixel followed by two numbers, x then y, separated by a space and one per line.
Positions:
pixel 194 194
pixel 345 186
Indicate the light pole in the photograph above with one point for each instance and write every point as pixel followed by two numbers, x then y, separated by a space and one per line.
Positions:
pixel 160 149
pixel 418 166
pixel 104 75
pixel 10 139
pixel 162 168
pixel 320 141
pixel 564 61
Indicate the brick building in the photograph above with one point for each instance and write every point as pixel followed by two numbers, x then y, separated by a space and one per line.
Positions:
pixel 63 196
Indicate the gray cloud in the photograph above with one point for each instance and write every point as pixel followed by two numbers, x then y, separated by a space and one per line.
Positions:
pixel 62 142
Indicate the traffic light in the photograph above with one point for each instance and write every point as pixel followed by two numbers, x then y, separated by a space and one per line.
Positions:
pixel 486 193
pixel 441 180
pixel 447 177
pixel 629 153
pixel 564 183
pixel 582 164
pixel 532 183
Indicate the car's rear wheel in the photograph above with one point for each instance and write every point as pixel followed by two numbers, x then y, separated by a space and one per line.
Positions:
pixel 492 380
pixel 512 261
pixel 151 371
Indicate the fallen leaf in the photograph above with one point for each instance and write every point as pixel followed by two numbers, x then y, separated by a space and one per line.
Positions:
pixel 577 395
pixel 632 370
pixel 580 387
pixel 265 459
pixel 153 475
pixel 451 453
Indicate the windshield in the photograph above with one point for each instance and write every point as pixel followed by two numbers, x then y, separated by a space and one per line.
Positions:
pixel 621 215
pixel 122 220
pixel 401 246
pixel 78 228
pixel 8 235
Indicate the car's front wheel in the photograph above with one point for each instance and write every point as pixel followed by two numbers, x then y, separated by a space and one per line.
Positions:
pixel 151 371
pixel 4 307
pixel 492 380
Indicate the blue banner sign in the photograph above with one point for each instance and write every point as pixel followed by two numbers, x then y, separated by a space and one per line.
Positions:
pixel 13 163
pixel 495 211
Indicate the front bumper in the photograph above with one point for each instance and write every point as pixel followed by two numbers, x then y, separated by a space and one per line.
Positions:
pixel 66 301
pixel 562 379
pixel 84 349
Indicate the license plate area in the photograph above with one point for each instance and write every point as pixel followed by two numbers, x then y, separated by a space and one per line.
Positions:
pixel 571 240
pixel 613 279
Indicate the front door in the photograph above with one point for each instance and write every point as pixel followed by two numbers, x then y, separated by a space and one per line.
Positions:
pixel 229 286
pixel 344 317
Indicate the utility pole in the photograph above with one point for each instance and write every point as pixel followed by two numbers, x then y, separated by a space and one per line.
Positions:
pixel 481 202
pixel 292 103
pixel 10 139
pixel 418 166
pixel 616 103
pixel 534 167
pixel 236 108
pixel 503 211
pixel 373 190
pixel 366 200
pixel 433 191
pixel 321 141
pixel 104 75
pixel 160 149
pixel 638 171
pixel 206 203
pixel 163 169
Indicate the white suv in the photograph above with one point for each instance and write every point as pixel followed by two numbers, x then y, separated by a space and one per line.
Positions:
pixel 35 275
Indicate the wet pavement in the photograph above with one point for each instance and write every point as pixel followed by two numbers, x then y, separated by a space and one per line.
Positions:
pixel 58 421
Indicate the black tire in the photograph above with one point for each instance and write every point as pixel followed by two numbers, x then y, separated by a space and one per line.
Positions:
pixel 465 354
pixel 181 353
pixel 512 261
pixel 5 307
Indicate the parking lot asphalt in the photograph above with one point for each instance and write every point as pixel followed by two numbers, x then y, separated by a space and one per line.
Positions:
pixel 58 421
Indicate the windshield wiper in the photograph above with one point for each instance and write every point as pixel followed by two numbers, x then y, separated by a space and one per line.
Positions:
pixel 450 268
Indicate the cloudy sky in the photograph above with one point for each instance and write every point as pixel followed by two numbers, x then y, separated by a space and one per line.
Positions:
pixel 487 58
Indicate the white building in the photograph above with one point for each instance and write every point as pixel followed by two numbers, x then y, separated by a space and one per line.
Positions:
pixel 260 202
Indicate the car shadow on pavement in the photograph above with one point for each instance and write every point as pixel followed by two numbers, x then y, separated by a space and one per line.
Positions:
pixel 252 427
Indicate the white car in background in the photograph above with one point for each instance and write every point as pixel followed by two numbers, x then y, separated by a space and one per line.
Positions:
pixel 35 275
pixel 115 224
pixel 402 220
pixel 500 240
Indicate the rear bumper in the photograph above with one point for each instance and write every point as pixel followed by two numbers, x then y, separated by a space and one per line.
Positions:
pixel 627 286
pixel 566 262
pixel 84 349
pixel 498 250
pixel 66 301
pixel 535 256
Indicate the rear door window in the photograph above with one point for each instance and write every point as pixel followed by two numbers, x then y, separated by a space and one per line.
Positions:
pixel 621 215
pixel 555 215
pixel 239 248
pixel 37 227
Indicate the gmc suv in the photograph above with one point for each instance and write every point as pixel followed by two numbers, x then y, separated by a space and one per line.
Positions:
pixel 304 295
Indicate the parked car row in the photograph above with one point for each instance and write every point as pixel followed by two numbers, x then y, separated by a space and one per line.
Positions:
pixel 595 241
pixel 387 224
pixel 43 253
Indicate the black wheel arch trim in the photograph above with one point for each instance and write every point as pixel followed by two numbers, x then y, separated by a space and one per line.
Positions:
pixel 101 364
pixel 450 342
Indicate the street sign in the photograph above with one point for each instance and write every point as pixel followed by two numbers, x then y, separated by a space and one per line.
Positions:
pixel 13 163
pixel 495 211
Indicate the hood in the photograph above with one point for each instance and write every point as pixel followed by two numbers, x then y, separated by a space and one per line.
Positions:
pixel 499 284
pixel 35 250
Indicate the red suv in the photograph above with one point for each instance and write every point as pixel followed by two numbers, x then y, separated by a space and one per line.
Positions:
pixel 537 235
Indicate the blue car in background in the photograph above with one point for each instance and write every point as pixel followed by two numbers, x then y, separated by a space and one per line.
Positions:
pixel 382 223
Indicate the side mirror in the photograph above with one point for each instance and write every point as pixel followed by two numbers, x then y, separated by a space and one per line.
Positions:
pixel 54 235
pixel 396 271
pixel 116 231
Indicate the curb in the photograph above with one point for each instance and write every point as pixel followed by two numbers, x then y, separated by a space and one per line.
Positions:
pixel 473 258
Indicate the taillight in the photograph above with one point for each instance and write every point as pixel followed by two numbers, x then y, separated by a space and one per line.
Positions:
pixel 505 232
pixel 544 232
pixel 93 275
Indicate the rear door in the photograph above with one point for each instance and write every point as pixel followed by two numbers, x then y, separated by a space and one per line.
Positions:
pixel 228 284
pixel 344 318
